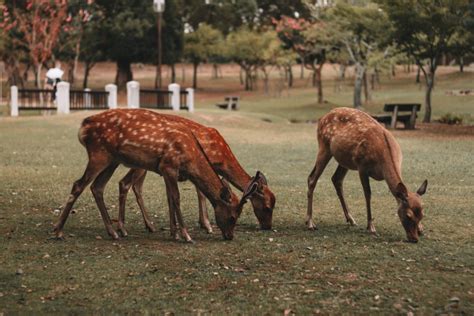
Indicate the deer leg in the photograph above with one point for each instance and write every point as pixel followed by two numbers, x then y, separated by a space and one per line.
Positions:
pixel 321 162
pixel 124 187
pixel 203 214
pixel 97 189
pixel 137 189
pixel 364 178
pixel 172 193
pixel 337 180
pixel 92 170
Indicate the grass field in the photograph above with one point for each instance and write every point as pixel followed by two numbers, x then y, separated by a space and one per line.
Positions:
pixel 335 270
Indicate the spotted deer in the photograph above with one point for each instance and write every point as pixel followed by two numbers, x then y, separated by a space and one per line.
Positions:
pixel 358 142
pixel 224 163
pixel 139 139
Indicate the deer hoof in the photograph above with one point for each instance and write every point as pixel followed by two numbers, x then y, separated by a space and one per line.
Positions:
pixel 113 234
pixel 122 231
pixel 150 228
pixel 311 225
pixel 351 221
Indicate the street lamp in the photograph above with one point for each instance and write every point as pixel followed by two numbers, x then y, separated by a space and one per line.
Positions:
pixel 159 7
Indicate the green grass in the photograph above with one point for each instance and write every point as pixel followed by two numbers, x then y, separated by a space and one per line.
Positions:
pixel 300 104
pixel 337 269
pixel 334 270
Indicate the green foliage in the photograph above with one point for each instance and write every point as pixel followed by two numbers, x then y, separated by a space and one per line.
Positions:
pixel 424 30
pixel 202 43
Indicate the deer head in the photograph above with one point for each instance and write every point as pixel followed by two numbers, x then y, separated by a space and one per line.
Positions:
pixel 229 208
pixel 410 209
pixel 263 201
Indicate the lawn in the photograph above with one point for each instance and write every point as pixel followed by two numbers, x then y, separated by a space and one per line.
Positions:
pixel 337 269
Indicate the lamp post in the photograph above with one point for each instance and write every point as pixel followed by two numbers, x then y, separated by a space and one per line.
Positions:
pixel 159 7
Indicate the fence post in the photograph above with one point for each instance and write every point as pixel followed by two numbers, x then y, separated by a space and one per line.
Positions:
pixel 133 94
pixel 175 89
pixel 112 97
pixel 190 99
pixel 87 98
pixel 14 101
pixel 62 97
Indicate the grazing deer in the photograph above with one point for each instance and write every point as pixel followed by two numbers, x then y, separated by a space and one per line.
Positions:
pixel 224 163
pixel 358 142
pixel 140 139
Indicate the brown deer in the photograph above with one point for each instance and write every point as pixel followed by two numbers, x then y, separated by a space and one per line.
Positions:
pixel 358 142
pixel 224 163
pixel 139 139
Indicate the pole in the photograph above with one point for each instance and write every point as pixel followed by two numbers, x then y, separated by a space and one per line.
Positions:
pixel 158 82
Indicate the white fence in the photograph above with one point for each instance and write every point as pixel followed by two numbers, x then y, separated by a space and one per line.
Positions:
pixel 66 99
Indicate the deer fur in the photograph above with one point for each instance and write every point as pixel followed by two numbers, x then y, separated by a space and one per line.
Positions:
pixel 358 142
pixel 140 139
pixel 224 163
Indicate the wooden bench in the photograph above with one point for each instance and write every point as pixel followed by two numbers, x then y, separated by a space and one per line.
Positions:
pixel 231 103
pixel 408 118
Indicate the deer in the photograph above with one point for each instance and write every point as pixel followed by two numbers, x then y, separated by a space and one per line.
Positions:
pixel 223 162
pixel 359 142
pixel 138 139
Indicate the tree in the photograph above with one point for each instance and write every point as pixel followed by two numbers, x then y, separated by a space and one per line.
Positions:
pixel 245 48
pixel 199 46
pixel 272 53
pixel 312 41
pixel 362 31
pixel 38 25
pixel 223 15
pixel 173 37
pixel 424 33
pixel 127 34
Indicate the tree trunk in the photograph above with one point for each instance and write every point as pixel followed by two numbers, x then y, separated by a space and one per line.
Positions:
pixel 76 60
pixel 215 71
pixel 429 89
pixel 124 74
pixel 88 65
pixel 302 70
pixel 418 71
pixel 366 87
pixel 393 71
pixel 265 83
pixel 319 83
pixel 461 64
pixel 70 72
pixel 183 73
pixel 359 76
pixel 13 72
pixel 38 76
pixel 290 76
pixel 248 79
pixel 173 73
pixel 241 76
pixel 195 69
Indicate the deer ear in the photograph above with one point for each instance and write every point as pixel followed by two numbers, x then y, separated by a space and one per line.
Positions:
pixel 401 192
pixel 251 189
pixel 261 178
pixel 422 189
pixel 226 194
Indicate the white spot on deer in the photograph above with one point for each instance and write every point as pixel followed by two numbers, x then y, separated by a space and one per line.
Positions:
pixel 129 129
pixel 120 135
pixel 134 133
pixel 134 117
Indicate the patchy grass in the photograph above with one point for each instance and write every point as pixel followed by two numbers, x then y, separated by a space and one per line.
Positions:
pixel 334 270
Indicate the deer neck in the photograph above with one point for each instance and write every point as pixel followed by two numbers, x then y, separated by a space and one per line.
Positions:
pixel 391 172
pixel 208 182
pixel 235 174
